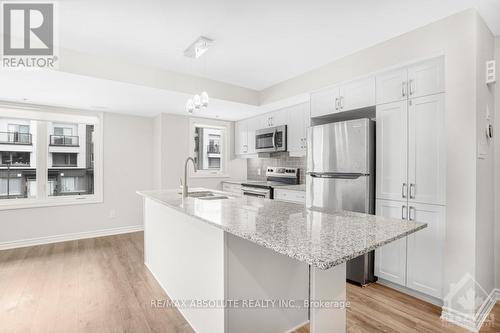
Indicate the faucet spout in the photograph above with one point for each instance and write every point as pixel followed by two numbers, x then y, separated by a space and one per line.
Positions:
pixel 185 186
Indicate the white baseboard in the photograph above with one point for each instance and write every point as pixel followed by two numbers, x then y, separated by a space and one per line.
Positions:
pixel 413 293
pixel 472 323
pixel 69 237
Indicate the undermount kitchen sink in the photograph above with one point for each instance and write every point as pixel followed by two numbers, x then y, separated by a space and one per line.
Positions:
pixel 206 195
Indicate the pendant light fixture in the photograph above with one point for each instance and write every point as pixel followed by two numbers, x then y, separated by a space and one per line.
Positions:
pixel 196 50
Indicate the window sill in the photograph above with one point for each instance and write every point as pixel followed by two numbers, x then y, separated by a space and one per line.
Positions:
pixel 208 175
pixel 51 202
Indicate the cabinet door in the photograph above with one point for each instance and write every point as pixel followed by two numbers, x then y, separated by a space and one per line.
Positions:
pixel 324 102
pixel 392 150
pixel 298 116
pixel 279 117
pixel 357 94
pixel 392 86
pixel 427 150
pixel 390 259
pixel 426 78
pixel 425 250
pixel 253 124
pixel 240 137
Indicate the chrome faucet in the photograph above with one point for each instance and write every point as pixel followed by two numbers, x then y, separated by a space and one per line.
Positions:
pixel 185 186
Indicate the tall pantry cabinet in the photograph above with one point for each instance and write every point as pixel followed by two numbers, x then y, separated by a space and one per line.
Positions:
pixel 411 173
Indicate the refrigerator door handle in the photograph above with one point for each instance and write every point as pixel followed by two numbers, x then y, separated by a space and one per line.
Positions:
pixel 336 175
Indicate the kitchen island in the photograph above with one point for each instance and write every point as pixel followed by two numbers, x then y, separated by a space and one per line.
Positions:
pixel 243 264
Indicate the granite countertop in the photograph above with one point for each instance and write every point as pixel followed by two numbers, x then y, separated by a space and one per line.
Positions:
pixel 300 187
pixel 235 181
pixel 319 239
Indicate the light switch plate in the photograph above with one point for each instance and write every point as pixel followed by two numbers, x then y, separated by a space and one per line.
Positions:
pixel 491 76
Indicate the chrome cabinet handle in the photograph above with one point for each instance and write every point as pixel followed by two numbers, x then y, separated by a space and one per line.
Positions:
pixel 403 89
pixel 411 87
pixel 404 212
pixel 410 217
pixel 412 191
pixel 341 102
pixel 336 103
pixel 404 190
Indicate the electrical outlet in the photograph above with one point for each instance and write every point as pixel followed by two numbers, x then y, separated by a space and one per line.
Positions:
pixel 112 214
pixel 491 76
pixel 259 172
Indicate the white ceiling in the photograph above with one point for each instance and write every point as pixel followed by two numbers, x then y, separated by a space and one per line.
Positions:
pixel 258 43
pixel 75 91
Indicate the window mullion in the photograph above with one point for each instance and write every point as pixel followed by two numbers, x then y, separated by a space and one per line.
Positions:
pixel 42 152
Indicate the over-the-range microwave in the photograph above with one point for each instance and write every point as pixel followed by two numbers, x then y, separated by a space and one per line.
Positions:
pixel 269 140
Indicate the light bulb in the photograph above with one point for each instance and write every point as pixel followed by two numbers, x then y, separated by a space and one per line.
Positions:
pixel 190 106
pixel 197 101
pixel 204 99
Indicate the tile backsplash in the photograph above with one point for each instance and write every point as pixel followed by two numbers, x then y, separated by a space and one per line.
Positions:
pixel 277 160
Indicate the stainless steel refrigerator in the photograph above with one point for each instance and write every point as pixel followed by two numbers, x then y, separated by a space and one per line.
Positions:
pixel 341 176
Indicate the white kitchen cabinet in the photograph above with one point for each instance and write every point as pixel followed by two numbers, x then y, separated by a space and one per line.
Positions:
pixel 241 137
pixel 392 151
pixel 290 195
pixel 425 250
pixel 392 86
pixel 427 150
pixel 426 78
pixel 325 101
pixel 357 94
pixel 298 122
pixel 273 119
pixel 253 124
pixel 232 188
pixel 390 259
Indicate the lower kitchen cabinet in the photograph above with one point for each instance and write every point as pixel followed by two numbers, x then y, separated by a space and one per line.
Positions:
pixel 290 196
pixel 425 250
pixel 415 262
pixel 390 259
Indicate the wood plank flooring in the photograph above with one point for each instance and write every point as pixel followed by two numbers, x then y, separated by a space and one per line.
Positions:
pixel 102 285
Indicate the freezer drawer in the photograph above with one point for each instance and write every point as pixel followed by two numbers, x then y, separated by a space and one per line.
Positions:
pixel 341 147
pixel 341 192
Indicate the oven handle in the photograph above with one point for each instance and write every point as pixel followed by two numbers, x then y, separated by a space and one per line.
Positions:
pixel 265 193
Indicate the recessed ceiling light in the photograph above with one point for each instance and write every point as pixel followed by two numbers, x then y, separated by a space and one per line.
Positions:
pixel 198 47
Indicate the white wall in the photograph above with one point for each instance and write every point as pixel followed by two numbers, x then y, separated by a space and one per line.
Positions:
pixel 485 187
pixel 127 167
pixel 497 163
pixel 172 142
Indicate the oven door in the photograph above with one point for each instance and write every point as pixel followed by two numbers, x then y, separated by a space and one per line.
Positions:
pixel 257 192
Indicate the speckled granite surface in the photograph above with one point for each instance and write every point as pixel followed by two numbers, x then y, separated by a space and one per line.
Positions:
pixel 319 239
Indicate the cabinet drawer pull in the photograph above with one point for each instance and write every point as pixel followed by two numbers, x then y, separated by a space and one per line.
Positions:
pixel 404 212
pixel 412 191
pixel 410 216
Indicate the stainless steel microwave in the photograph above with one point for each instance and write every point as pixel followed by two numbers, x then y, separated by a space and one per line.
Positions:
pixel 269 140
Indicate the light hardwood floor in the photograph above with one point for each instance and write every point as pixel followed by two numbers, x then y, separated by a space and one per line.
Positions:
pixel 102 285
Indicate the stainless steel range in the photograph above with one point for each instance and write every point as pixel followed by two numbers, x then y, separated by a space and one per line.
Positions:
pixel 276 176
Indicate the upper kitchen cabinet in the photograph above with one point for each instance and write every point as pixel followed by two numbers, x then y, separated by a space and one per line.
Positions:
pixel 392 151
pixel 427 150
pixel 426 78
pixel 272 119
pixel 392 86
pixel 350 96
pixel 357 94
pixel 298 122
pixel 325 101
pixel 241 137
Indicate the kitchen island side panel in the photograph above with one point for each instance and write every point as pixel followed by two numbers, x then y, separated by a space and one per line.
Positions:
pixel 187 259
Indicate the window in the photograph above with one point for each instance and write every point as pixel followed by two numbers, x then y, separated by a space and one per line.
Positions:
pixel 64 159
pixel 209 147
pixel 62 167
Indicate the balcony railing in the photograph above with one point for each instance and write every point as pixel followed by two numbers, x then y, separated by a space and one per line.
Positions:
pixel 64 140
pixel 213 149
pixel 15 138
